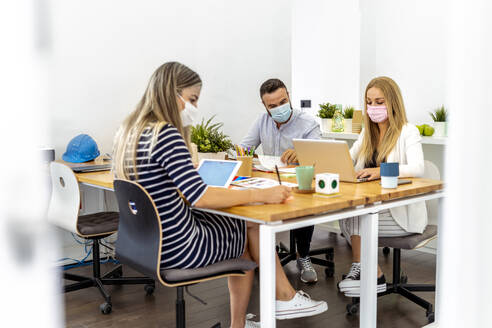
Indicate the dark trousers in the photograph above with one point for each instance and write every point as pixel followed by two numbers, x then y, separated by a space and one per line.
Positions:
pixel 303 240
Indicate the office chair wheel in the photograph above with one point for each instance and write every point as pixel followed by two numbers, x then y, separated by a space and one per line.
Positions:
pixel 430 317
pixel 149 289
pixel 404 279
pixel 105 308
pixel 386 250
pixel 352 309
pixel 329 272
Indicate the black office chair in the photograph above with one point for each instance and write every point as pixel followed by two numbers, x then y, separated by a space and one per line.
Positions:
pixel 64 212
pixel 400 283
pixel 287 254
pixel 139 245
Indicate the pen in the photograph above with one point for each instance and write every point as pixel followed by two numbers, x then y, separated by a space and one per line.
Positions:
pixel 278 175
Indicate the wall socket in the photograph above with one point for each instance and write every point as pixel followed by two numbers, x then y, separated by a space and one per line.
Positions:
pixel 305 103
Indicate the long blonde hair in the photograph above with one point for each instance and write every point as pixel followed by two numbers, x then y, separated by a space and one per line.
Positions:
pixel 397 119
pixel 157 107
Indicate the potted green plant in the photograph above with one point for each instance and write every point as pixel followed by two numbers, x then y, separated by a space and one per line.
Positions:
pixel 210 141
pixel 440 118
pixel 326 113
pixel 348 114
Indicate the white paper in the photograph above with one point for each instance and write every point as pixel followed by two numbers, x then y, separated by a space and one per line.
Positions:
pixel 261 183
pixel 291 170
pixel 269 162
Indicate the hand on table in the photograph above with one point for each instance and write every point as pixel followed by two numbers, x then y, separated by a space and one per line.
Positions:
pixel 289 156
pixel 369 174
pixel 275 195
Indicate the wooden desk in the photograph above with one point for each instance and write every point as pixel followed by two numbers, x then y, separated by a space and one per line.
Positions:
pixel 102 179
pixel 351 195
pixel 361 199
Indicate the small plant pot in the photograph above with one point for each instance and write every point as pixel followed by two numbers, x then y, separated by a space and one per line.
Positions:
pixel 219 155
pixel 326 124
pixel 348 125
pixel 440 129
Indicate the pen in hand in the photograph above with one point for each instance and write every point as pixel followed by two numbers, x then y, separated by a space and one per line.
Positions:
pixel 278 175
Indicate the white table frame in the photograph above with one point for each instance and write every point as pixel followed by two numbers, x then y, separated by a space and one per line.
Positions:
pixel 369 251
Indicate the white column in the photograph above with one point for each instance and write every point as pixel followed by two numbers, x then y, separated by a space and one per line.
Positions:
pixel 267 276
pixel 465 229
pixel 30 284
pixel 325 52
pixel 369 262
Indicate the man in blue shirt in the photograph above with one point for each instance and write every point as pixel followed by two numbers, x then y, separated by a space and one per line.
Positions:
pixel 274 130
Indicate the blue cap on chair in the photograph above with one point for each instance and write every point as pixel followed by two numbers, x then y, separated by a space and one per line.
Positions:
pixel 390 169
pixel 81 149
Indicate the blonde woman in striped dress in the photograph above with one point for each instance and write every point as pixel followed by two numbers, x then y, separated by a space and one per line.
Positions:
pixel 151 148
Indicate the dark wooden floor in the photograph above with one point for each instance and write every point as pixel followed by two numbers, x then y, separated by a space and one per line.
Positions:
pixel 132 308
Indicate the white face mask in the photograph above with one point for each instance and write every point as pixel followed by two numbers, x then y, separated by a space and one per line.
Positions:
pixel 189 114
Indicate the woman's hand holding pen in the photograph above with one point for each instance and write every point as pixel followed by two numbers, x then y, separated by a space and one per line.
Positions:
pixel 274 195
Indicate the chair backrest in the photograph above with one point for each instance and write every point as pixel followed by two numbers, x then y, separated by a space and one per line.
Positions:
pixel 139 231
pixel 63 210
pixel 431 171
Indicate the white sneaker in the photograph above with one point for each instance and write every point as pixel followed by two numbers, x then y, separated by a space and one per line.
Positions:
pixel 355 292
pixel 352 280
pixel 301 305
pixel 249 323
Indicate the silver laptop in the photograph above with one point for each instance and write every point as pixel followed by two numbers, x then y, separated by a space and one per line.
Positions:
pixel 329 156
pixel 90 168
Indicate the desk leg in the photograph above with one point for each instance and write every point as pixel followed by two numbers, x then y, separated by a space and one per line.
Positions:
pixel 267 276
pixel 369 261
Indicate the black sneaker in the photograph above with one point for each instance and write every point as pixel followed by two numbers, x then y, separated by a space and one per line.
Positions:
pixel 351 280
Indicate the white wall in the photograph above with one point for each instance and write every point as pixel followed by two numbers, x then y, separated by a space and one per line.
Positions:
pixel 325 52
pixel 405 40
pixel 105 51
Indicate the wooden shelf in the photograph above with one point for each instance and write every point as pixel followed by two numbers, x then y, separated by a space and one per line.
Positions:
pixel 354 136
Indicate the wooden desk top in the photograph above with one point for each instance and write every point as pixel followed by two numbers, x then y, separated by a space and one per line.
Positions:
pixel 101 178
pixel 351 195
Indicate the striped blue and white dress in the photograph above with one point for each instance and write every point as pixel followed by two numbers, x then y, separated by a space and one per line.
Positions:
pixel 190 238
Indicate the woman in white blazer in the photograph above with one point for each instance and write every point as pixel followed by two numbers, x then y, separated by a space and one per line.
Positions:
pixel 387 137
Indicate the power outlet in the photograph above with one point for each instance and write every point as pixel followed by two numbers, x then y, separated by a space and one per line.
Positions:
pixel 305 103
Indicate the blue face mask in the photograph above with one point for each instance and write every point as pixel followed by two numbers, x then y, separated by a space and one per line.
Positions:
pixel 281 113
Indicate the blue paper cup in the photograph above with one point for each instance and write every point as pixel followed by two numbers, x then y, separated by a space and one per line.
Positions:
pixel 389 175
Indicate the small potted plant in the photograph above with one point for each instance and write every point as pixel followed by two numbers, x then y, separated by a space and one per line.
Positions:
pixel 211 143
pixel 326 113
pixel 440 117
pixel 348 114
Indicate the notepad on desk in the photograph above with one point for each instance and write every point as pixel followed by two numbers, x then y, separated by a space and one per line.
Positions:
pixel 260 183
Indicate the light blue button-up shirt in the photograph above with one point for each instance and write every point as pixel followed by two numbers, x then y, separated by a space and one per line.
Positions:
pixel 275 141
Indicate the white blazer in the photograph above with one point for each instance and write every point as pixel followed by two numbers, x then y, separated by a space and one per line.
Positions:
pixel 407 152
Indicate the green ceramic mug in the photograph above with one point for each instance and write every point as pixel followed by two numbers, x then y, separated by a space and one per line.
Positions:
pixel 304 175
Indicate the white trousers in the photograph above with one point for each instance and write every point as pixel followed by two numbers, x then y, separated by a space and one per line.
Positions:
pixel 388 227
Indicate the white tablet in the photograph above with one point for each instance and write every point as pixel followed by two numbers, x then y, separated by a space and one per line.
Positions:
pixel 218 173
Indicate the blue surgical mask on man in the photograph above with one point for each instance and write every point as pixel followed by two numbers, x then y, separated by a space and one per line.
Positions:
pixel 281 113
